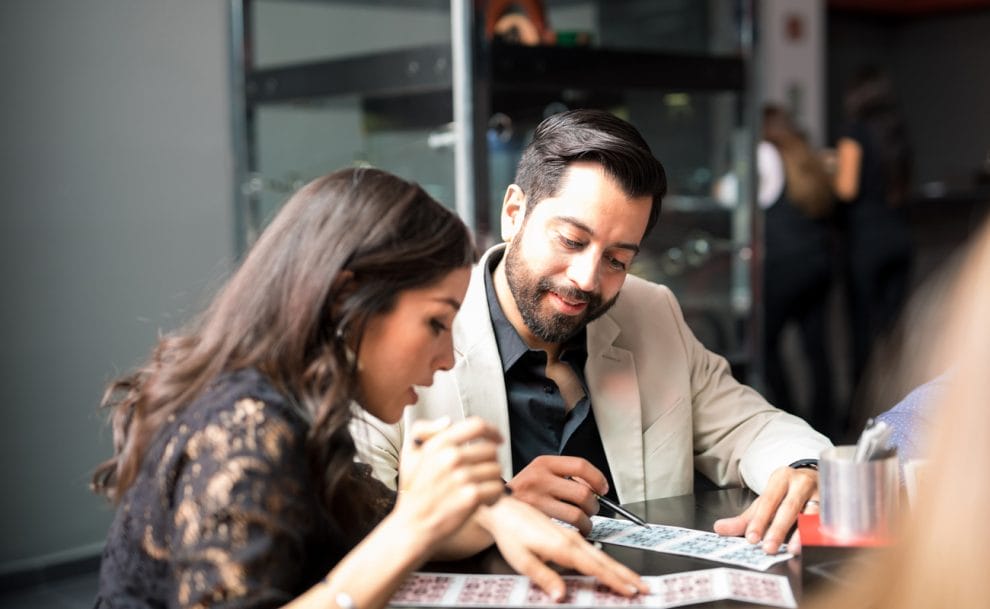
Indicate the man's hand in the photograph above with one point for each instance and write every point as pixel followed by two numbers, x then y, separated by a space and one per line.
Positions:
pixel 775 511
pixel 544 484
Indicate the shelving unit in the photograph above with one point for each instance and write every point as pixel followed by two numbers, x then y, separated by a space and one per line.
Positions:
pixel 401 101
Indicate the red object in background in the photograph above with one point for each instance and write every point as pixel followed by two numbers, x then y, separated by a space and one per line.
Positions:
pixel 794 26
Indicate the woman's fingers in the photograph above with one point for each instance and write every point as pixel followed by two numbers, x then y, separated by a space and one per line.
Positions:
pixel 469 430
pixel 546 578
pixel 589 559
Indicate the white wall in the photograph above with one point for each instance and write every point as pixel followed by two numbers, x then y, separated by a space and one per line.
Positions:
pixel 117 216
pixel 792 56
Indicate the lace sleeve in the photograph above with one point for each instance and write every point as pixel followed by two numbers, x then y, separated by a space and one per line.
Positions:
pixel 243 511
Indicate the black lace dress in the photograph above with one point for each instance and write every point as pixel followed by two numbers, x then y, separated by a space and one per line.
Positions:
pixel 223 513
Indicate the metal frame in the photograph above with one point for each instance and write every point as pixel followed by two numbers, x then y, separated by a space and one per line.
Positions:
pixel 479 74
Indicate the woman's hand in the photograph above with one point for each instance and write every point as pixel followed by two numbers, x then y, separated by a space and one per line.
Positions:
pixel 528 539
pixel 445 473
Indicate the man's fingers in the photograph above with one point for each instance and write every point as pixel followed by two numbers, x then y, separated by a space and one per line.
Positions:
pixel 735 525
pixel 574 467
pixel 576 493
pixel 798 491
pixel 794 543
pixel 732 527
pixel 766 506
pixel 566 512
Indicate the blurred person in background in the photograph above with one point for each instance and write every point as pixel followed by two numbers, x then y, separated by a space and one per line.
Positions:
pixel 795 193
pixel 941 556
pixel 234 471
pixel 872 177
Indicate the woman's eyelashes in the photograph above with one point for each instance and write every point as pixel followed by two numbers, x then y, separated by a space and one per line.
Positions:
pixel 438 326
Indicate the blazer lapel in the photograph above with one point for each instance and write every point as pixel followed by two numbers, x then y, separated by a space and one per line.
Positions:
pixel 478 367
pixel 615 400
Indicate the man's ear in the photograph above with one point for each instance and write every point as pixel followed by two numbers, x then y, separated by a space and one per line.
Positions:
pixel 513 211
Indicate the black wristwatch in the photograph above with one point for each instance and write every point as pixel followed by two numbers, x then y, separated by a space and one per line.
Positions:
pixel 805 464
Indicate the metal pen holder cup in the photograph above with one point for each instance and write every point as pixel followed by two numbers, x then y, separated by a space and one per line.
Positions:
pixel 859 499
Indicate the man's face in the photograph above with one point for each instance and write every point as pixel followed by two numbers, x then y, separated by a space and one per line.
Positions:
pixel 567 259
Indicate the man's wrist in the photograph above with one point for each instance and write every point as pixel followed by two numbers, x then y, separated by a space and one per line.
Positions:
pixel 805 464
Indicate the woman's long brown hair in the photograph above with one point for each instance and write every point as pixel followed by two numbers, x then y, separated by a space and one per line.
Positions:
pixel 807 183
pixel 338 253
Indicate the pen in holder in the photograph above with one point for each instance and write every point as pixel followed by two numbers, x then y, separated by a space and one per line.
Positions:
pixel 859 498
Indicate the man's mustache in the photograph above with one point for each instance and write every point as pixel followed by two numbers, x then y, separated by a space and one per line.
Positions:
pixel 569 293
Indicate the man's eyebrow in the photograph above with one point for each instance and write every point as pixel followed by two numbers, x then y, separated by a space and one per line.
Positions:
pixel 634 247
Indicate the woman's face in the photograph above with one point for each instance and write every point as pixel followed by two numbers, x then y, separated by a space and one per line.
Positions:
pixel 405 346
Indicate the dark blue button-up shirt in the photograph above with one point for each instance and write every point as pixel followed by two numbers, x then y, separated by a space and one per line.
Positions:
pixel 539 422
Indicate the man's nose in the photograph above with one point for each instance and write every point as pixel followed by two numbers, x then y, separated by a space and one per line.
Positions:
pixel 583 271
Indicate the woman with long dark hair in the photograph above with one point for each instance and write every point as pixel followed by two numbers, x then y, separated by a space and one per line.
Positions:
pixel 797 267
pixel 234 468
pixel 872 175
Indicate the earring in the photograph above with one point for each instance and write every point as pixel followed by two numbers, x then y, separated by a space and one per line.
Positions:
pixel 348 352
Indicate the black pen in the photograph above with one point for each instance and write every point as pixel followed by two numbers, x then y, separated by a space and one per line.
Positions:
pixel 618 509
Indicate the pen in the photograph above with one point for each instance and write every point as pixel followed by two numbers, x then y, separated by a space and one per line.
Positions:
pixel 872 443
pixel 618 509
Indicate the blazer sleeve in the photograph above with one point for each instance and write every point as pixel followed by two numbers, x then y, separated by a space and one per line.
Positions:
pixel 739 437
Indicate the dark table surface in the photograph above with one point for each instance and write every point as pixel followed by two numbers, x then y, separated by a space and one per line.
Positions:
pixel 814 567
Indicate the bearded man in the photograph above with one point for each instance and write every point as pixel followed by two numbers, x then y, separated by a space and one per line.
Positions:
pixel 592 373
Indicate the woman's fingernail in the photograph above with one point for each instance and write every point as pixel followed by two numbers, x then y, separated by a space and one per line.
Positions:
pixel 559 593
pixel 633 589
pixel 752 537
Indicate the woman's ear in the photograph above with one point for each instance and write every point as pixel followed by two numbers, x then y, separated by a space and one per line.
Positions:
pixel 342 287
pixel 344 284
pixel 513 211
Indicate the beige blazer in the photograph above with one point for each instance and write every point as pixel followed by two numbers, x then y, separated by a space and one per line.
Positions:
pixel 663 403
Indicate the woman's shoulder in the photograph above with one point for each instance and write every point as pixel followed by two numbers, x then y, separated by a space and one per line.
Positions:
pixel 244 390
pixel 240 413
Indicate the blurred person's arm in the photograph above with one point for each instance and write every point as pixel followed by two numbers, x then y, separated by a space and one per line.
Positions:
pixel 848 165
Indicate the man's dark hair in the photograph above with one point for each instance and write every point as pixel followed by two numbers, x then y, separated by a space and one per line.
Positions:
pixel 590 135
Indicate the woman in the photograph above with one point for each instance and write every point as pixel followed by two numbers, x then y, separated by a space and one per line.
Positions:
pixel 234 469
pixel 798 267
pixel 871 178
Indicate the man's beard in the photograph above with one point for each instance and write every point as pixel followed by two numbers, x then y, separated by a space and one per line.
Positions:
pixel 528 292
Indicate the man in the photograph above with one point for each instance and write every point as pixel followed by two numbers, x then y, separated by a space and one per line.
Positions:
pixel 593 375
pixel 912 419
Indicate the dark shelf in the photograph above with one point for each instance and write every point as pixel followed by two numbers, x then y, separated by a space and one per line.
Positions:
pixel 595 68
pixel 390 73
pixel 427 69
